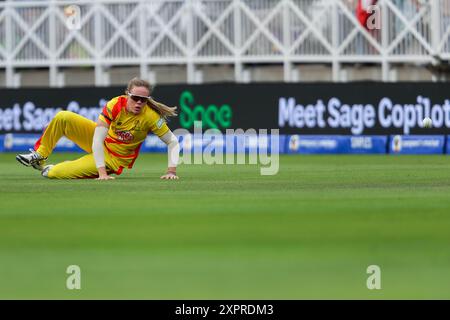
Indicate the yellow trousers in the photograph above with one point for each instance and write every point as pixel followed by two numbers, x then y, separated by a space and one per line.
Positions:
pixel 81 131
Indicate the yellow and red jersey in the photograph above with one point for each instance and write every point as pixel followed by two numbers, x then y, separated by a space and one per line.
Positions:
pixel 128 131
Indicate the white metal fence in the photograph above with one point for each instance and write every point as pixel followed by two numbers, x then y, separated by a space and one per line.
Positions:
pixel 196 32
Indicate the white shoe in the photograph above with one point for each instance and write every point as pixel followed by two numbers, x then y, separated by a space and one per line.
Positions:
pixel 46 169
pixel 33 159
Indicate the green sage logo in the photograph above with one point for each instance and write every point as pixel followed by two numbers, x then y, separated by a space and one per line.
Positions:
pixel 212 116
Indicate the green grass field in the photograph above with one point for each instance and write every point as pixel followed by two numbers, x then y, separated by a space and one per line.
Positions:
pixel 226 232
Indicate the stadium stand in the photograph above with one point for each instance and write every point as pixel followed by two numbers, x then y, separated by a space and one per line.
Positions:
pixel 199 41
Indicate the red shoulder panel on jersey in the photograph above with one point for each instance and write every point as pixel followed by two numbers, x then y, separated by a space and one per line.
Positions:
pixel 105 115
pixel 121 103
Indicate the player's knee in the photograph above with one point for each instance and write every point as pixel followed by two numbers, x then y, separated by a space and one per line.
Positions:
pixel 62 116
pixel 51 174
pixel 54 173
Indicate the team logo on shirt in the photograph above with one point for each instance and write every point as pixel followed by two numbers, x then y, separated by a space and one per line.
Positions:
pixel 125 136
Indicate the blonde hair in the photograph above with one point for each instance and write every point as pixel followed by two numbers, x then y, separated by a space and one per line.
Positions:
pixel 164 110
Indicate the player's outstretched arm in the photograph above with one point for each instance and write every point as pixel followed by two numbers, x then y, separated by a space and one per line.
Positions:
pixel 100 134
pixel 173 154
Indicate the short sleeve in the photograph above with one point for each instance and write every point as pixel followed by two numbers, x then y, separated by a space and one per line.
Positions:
pixel 159 127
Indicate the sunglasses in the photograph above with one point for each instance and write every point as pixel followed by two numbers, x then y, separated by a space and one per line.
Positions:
pixel 137 98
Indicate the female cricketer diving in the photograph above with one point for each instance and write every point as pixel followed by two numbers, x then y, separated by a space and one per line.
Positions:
pixel 113 142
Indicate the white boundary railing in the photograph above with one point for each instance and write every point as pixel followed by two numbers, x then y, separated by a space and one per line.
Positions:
pixel 195 32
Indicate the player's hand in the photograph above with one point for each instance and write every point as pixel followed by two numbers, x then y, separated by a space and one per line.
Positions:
pixel 105 177
pixel 103 174
pixel 170 176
